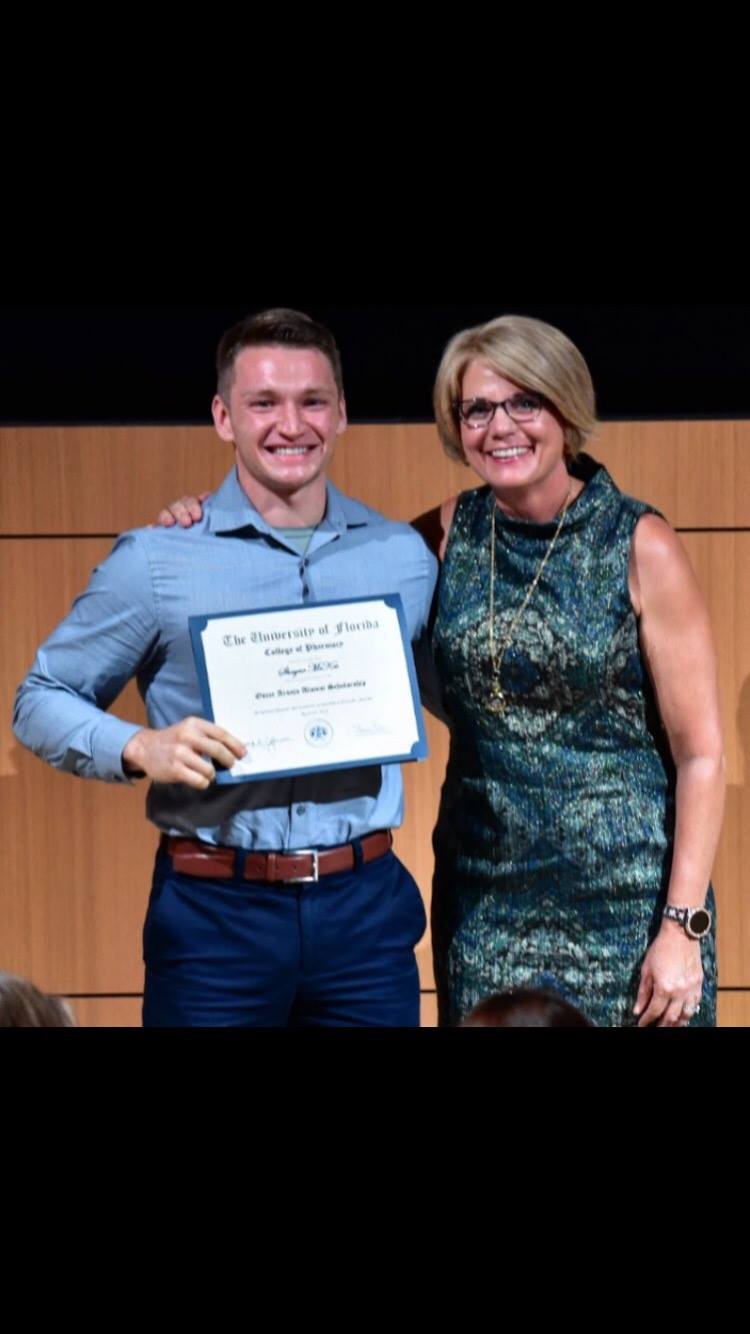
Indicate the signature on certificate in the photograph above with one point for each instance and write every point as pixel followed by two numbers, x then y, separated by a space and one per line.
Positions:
pixel 372 729
pixel 265 742
pixel 308 669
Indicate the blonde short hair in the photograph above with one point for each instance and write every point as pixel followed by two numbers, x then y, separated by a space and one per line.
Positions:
pixel 22 1005
pixel 533 354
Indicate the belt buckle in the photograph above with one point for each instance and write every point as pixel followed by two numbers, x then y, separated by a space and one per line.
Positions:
pixel 305 879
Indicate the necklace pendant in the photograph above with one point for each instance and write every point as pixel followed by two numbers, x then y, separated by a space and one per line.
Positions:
pixel 496 701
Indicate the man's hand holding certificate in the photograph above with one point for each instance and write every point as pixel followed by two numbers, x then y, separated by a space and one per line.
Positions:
pixel 313 687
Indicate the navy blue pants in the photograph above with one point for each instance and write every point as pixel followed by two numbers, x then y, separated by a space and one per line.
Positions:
pixel 339 952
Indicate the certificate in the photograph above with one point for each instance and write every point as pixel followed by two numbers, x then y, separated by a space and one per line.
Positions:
pixel 325 686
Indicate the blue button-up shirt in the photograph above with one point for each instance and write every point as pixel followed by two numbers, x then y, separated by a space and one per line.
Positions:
pixel 132 620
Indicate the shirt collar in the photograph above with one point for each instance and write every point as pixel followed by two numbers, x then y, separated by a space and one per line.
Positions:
pixel 231 510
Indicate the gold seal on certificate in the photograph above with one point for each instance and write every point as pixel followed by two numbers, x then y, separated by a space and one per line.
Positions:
pixel 326 686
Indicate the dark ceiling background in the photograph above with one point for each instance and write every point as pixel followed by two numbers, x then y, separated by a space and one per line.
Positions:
pixel 150 364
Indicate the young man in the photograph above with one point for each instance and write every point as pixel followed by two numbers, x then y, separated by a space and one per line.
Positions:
pixel 245 924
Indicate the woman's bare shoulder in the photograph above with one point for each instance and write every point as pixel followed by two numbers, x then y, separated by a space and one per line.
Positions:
pixel 659 564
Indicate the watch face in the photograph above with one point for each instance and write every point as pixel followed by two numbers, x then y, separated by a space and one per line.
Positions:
pixel 699 922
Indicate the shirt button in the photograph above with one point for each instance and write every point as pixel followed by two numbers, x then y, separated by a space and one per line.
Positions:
pixel 301 810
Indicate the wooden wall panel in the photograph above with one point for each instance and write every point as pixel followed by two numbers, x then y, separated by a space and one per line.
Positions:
pixel 428 1010
pixel 77 855
pixel 722 565
pixel 107 1012
pixel 734 1009
pixel 413 841
pixel 697 473
pixel 401 470
pixel 103 479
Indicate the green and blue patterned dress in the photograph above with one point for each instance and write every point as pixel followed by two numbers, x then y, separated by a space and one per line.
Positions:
pixel 553 842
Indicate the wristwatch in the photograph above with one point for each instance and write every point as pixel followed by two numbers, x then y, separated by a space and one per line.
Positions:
pixel 696 922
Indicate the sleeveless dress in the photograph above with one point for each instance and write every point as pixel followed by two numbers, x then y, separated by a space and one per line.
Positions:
pixel 554 836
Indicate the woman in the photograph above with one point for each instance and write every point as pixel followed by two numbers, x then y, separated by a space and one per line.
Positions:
pixel 584 788
pixel 582 802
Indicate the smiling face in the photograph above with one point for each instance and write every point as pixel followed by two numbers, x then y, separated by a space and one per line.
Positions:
pixel 283 416
pixel 517 459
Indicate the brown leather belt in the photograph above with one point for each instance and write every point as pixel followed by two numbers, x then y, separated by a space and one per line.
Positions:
pixel 191 857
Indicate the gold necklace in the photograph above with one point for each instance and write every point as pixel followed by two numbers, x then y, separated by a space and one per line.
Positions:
pixel 496 702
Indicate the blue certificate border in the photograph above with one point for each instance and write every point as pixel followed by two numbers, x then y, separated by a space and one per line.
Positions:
pixel 419 751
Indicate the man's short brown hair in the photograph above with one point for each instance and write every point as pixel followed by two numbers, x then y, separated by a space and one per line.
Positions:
pixel 278 327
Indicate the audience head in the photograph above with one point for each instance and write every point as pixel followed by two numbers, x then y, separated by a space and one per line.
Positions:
pixel 22 1005
pixel 525 1008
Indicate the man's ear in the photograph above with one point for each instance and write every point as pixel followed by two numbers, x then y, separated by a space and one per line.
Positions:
pixel 222 420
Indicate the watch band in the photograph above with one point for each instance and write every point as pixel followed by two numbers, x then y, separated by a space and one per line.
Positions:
pixel 695 922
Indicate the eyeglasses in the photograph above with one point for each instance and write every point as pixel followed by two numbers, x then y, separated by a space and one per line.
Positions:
pixel 478 412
